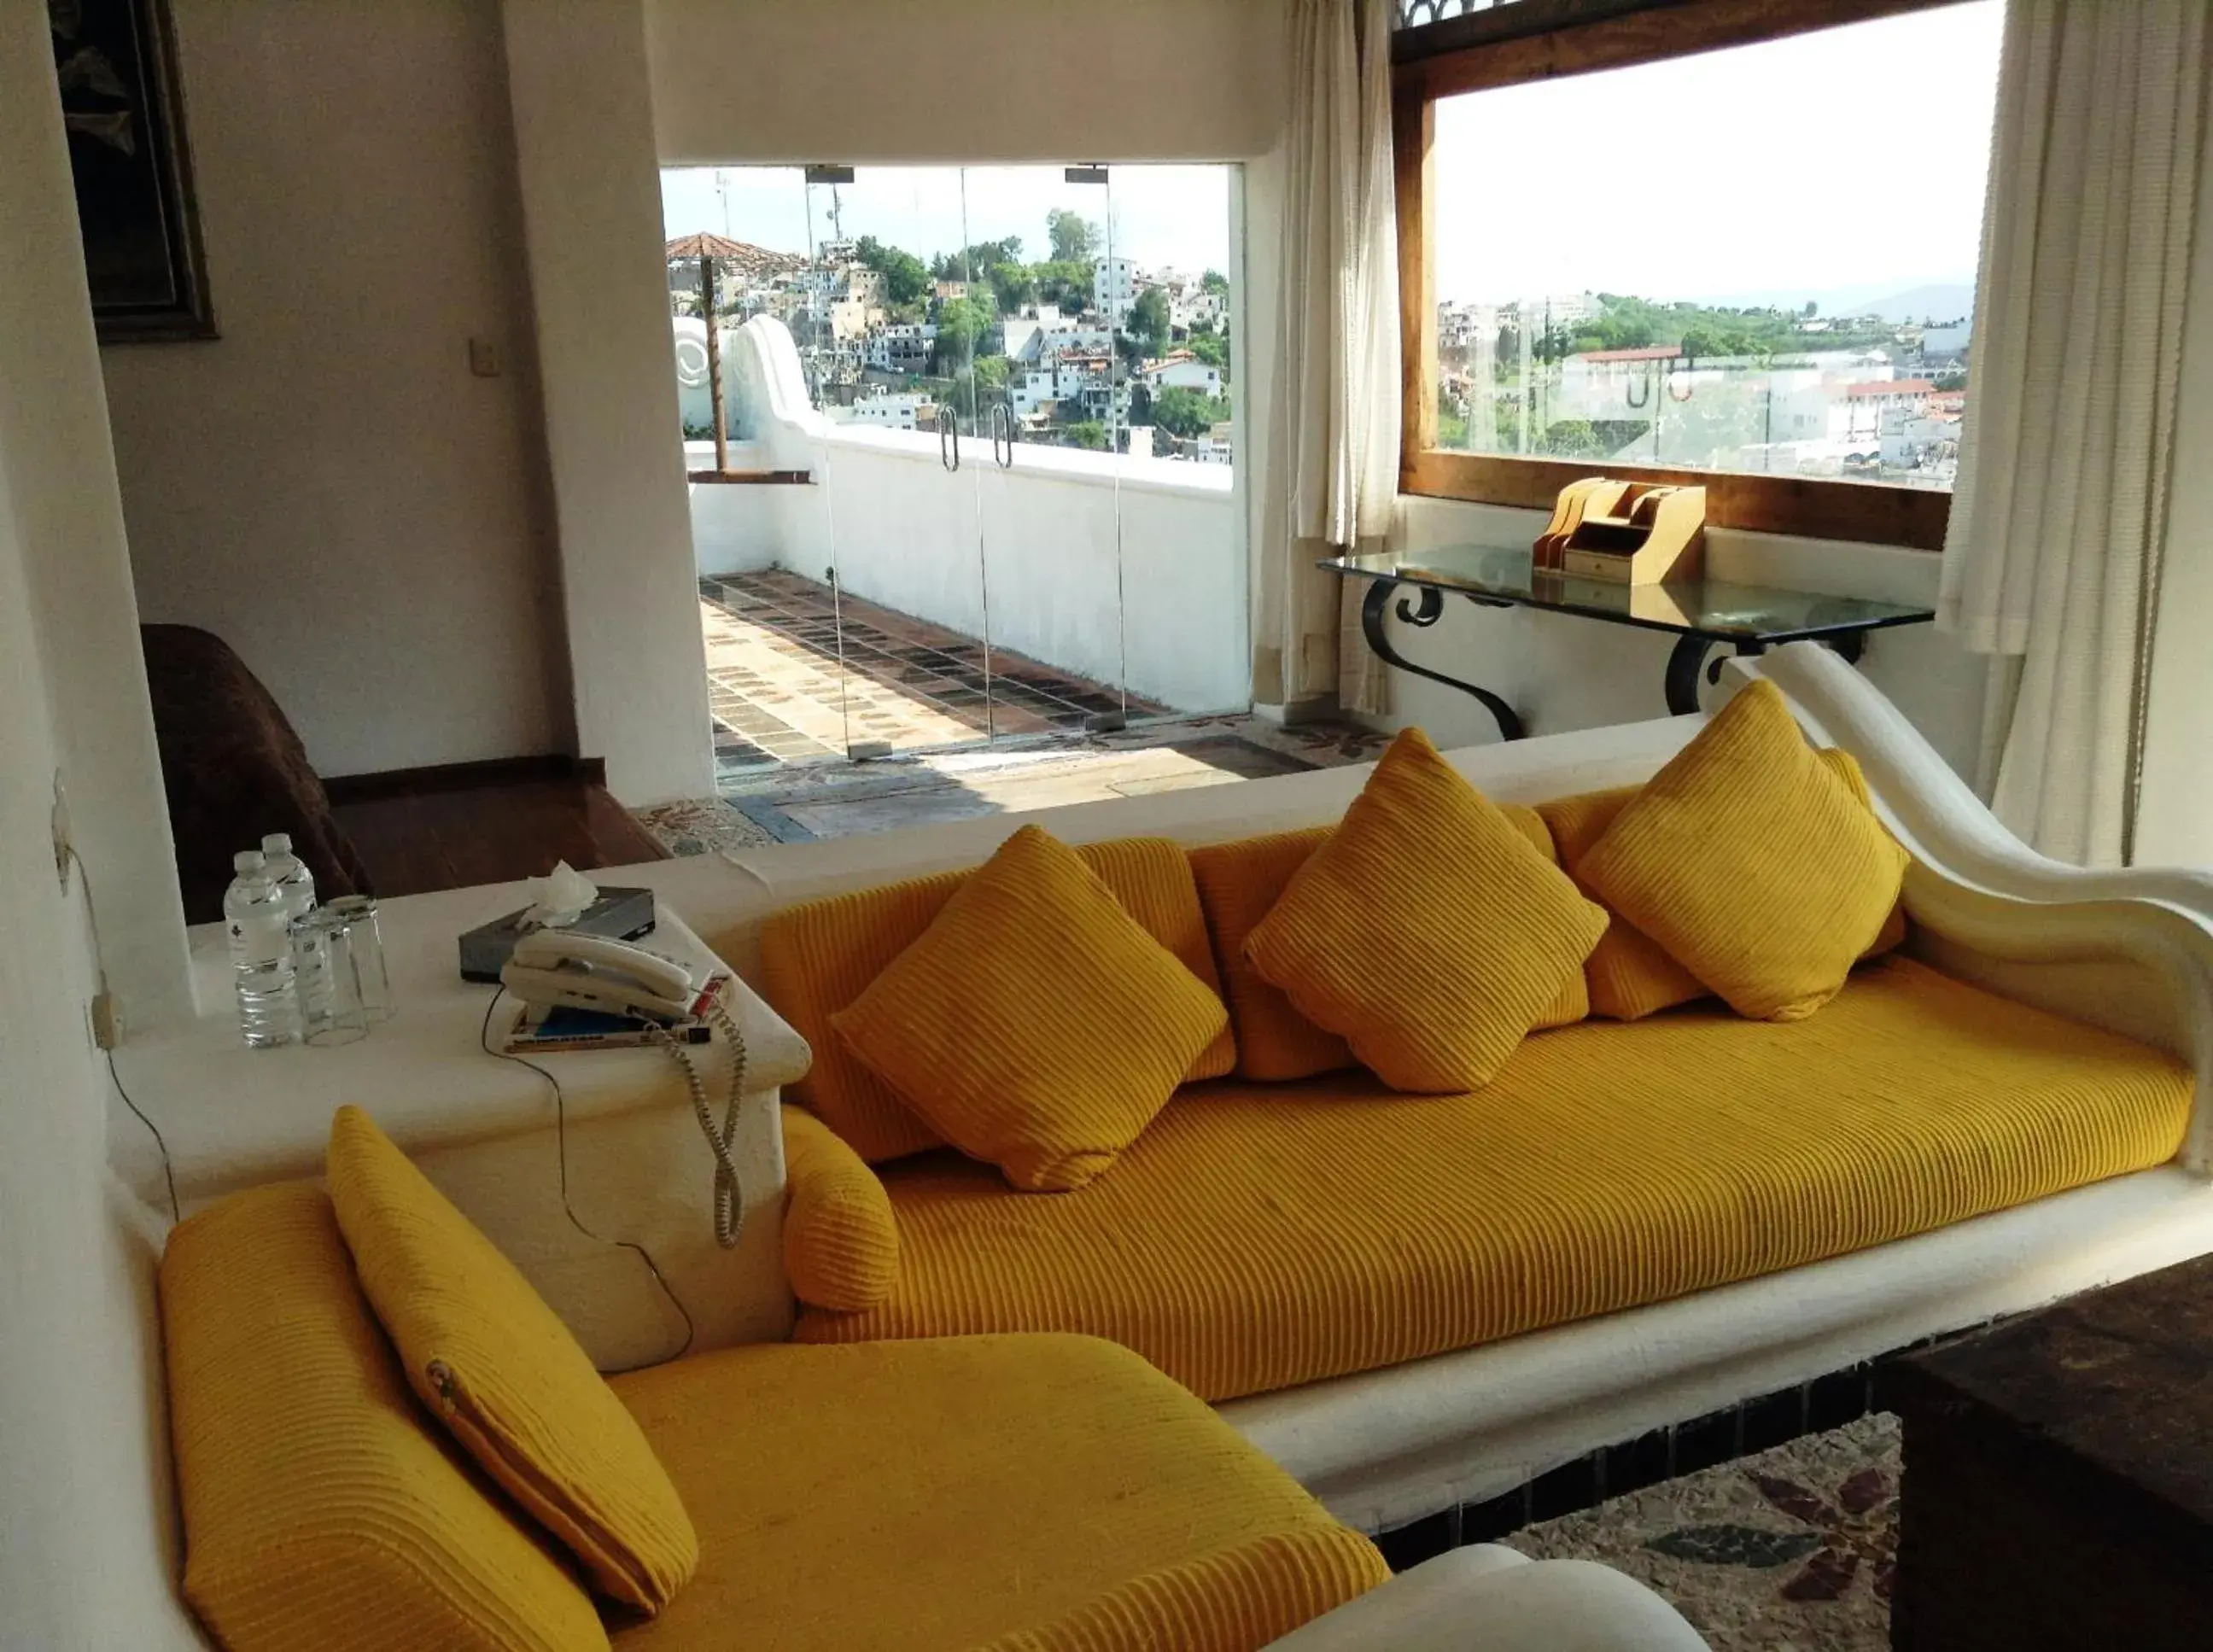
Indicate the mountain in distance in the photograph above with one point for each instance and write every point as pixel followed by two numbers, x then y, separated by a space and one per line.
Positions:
pixel 1933 300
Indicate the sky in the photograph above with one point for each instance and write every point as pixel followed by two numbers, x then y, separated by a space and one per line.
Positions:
pixel 1844 165
pixel 1177 217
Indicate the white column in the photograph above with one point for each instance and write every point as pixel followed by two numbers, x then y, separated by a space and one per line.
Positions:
pixel 582 106
pixel 69 518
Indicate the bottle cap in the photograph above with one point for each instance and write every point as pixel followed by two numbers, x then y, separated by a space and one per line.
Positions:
pixel 248 860
pixel 276 843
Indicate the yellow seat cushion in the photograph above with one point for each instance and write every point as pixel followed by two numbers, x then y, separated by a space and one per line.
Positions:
pixel 504 1374
pixel 1629 974
pixel 1427 932
pixel 1035 1024
pixel 818 957
pixel 1239 882
pixel 322 1509
pixel 1260 1236
pixel 1751 863
pixel 840 1238
pixel 1042 1492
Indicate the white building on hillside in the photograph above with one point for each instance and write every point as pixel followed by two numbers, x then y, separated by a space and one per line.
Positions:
pixel 892 410
pixel 1184 371
pixel 1114 288
pixel 902 347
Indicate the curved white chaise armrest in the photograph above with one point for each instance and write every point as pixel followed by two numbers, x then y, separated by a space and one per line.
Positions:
pixel 1488 1598
pixel 1978 887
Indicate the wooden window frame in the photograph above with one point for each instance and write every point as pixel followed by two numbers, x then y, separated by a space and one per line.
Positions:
pixel 1436 60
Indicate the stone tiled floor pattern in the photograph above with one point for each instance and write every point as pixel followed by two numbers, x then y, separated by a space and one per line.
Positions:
pixel 778 694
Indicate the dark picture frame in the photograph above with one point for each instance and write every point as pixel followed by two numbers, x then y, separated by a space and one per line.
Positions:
pixel 123 107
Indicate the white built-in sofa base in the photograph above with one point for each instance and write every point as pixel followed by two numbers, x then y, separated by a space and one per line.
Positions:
pixel 2131 950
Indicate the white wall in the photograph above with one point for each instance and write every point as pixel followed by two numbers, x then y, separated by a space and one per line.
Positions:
pixel 327 487
pixel 581 105
pixel 869 81
pixel 1562 673
pixel 87 1545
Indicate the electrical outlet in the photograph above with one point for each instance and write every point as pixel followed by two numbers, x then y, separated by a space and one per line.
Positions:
pixel 61 824
pixel 106 1021
pixel 484 358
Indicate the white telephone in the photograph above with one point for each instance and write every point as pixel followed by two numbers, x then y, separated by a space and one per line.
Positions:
pixel 589 971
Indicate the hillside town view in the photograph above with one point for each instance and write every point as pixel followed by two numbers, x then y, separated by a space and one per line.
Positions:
pixel 1081 348
pixel 1877 396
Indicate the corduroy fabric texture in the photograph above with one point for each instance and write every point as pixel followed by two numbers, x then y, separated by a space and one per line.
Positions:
pixel 1261 1236
pixel 1427 932
pixel 1035 1025
pixel 1048 1492
pixel 1630 975
pixel 322 1509
pixel 818 957
pixel 840 1238
pixel 1238 883
pixel 1751 863
pixel 497 1367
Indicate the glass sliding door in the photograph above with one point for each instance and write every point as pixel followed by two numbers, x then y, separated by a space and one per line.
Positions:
pixel 1006 390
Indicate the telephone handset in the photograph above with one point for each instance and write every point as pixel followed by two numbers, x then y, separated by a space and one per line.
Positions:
pixel 588 971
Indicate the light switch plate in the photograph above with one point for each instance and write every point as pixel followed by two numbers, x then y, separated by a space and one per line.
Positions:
pixel 484 358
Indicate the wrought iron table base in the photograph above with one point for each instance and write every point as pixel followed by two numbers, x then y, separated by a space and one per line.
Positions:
pixel 1684 662
pixel 1425 612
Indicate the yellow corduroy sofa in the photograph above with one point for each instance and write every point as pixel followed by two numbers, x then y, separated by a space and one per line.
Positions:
pixel 1268 1231
pixel 1010 1492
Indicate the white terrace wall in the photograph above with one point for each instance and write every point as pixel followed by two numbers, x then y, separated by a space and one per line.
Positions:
pixel 1115 569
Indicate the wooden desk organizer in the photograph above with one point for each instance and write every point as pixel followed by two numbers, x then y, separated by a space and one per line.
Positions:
pixel 1626 532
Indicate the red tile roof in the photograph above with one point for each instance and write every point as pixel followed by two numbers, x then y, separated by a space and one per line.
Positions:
pixel 1891 388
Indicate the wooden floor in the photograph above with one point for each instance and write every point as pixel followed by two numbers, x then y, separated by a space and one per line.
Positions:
pixel 447 837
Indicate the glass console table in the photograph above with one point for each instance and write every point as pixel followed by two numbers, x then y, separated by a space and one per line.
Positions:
pixel 1700 612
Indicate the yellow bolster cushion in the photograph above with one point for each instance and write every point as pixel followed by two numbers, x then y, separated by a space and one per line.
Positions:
pixel 1239 883
pixel 1751 863
pixel 504 1374
pixel 1036 1025
pixel 818 957
pixel 1630 975
pixel 321 1508
pixel 840 1238
pixel 1428 931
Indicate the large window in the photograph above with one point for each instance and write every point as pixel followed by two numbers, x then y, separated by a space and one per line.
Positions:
pixel 1752 265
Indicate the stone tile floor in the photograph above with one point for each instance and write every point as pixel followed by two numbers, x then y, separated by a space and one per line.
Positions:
pixel 782 691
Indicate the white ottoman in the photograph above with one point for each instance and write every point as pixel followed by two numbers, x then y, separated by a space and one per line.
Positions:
pixel 1488 1598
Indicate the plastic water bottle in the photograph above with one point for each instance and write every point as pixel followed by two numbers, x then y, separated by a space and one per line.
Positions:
pixel 311 963
pixel 289 873
pixel 253 910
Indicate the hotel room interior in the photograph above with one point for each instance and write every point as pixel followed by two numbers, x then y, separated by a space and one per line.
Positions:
pixel 1203 824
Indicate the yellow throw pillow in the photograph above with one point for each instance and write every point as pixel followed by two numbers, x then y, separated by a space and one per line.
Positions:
pixel 1751 863
pixel 1630 974
pixel 818 957
pixel 321 1508
pixel 1239 884
pixel 1036 1025
pixel 840 1237
pixel 1428 931
pixel 502 1373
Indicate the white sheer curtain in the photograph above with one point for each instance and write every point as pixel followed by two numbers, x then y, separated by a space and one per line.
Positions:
pixel 1334 469
pixel 2053 561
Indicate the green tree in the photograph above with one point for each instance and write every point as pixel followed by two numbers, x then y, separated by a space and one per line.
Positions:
pixel 1184 413
pixel 906 279
pixel 961 322
pixel 1149 321
pixel 1066 283
pixel 970 262
pixel 1074 238
pixel 1215 282
pixel 1086 433
pixel 991 376
pixel 1210 347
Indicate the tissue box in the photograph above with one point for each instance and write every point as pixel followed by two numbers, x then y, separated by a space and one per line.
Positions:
pixel 618 914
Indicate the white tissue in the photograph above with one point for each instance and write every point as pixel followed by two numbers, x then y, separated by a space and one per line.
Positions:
pixel 559 899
